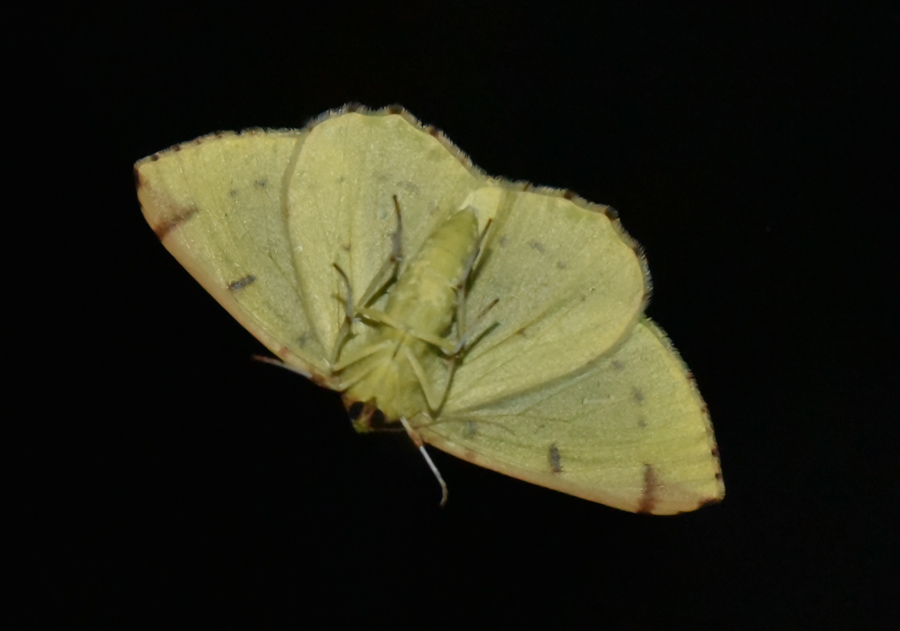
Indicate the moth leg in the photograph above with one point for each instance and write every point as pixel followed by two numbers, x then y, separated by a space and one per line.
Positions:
pixel 347 324
pixel 435 400
pixel 463 285
pixel 418 442
pixel 281 364
pixel 382 318
pixel 462 327
pixel 385 275
pixel 388 271
pixel 368 351
pixel 466 342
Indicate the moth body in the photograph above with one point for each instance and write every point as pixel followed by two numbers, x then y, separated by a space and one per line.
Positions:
pixel 400 370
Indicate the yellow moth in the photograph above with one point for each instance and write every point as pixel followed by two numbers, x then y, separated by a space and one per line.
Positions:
pixel 499 322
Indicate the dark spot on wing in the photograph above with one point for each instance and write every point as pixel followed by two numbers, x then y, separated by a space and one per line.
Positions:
pixel 642 422
pixel 567 194
pixel 430 129
pixel 170 224
pixel 394 109
pixel 637 395
pixel 176 147
pixel 470 429
pixel 261 182
pixel 561 265
pixel 240 283
pixel 233 192
pixel 154 157
pixel 555 460
pixel 649 498
pixel 537 245
pixel 618 364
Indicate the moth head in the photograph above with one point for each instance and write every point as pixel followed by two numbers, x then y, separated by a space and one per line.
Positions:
pixel 366 417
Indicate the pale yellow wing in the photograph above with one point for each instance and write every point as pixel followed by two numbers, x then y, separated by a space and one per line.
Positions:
pixel 349 170
pixel 218 204
pixel 631 432
pixel 261 218
pixel 566 284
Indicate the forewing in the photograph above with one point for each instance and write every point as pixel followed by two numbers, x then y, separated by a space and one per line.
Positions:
pixel 341 202
pixel 631 432
pixel 218 204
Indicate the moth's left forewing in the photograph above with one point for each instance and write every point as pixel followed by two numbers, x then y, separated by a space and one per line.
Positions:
pixel 218 205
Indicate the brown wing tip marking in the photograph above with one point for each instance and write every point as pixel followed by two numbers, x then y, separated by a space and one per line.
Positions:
pixel 709 501
pixel 714 452
pixel 165 227
pixel 555 459
pixel 649 498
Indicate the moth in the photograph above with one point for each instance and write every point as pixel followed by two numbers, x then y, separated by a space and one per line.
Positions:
pixel 497 321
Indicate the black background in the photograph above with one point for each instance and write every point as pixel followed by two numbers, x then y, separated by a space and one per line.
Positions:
pixel 751 148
